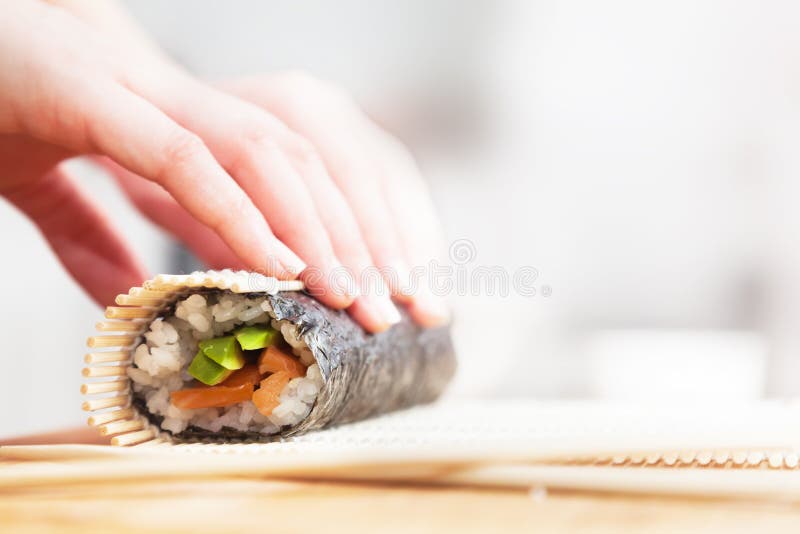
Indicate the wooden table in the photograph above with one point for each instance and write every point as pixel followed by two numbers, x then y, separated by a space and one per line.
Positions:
pixel 252 504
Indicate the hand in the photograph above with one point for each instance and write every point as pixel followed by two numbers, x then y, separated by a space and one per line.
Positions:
pixel 368 191
pixel 224 174
pixel 378 178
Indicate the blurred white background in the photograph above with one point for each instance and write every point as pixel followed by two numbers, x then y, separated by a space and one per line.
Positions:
pixel 642 156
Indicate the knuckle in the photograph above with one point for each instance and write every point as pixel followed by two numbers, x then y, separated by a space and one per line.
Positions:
pixel 259 138
pixel 223 222
pixel 180 150
pixel 301 149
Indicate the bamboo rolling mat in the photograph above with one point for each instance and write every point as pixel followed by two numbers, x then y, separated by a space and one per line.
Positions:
pixel 731 450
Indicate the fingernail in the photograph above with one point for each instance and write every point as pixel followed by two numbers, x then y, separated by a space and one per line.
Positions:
pixel 377 302
pixel 403 276
pixel 352 292
pixel 291 262
pixel 382 310
pixel 387 309
pixel 342 280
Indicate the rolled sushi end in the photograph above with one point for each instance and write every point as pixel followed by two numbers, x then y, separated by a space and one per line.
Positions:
pixel 222 361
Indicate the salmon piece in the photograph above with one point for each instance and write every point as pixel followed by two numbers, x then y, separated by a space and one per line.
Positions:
pixel 267 397
pixel 274 360
pixel 249 374
pixel 211 397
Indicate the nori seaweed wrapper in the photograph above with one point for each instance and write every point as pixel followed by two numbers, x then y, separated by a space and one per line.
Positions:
pixel 365 374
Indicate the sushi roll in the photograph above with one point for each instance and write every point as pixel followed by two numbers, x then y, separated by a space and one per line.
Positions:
pixel 223 356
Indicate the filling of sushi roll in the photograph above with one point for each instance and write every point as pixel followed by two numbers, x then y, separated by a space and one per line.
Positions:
pixel 221 360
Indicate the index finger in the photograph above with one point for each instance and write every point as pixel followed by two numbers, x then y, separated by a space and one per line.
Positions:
pixel 144 140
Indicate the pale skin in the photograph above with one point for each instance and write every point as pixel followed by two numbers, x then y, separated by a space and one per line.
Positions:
pixel 279 173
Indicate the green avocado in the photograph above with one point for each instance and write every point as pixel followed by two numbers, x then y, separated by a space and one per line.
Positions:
pixel 207 370
pixel 255 337
pixel 225 351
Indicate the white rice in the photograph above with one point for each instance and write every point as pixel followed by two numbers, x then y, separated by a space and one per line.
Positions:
pixel 169 345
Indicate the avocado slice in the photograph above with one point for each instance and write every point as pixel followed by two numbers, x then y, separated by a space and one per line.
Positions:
pixel 225 351
pixel 207 370
pixel 256 337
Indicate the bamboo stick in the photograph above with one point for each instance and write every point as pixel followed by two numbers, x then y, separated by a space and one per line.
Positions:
pixel 119 326
pixel 107 370
pixel 128 300
pixel 108 402
pixel 118 427
pixel 147 293
pixel 116 312
pixel 105 387
pixel 110 341
pixel 107 417
pixel 133 437
pixel 104 357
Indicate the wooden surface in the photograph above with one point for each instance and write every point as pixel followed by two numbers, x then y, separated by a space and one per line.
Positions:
pixel 241 505
pixel 250 504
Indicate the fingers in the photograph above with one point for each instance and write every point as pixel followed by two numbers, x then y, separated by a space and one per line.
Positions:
pixel 272 162
pixel 268 176
pixel 415 220
pixel 158 206
pixel 353 171
pixel 352 168
pixel 373 308
pixel 378 178
pixel 144 140
pixel 81 235
pixel 258 149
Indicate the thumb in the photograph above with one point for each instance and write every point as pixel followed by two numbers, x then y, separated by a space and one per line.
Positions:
pixel 80 234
